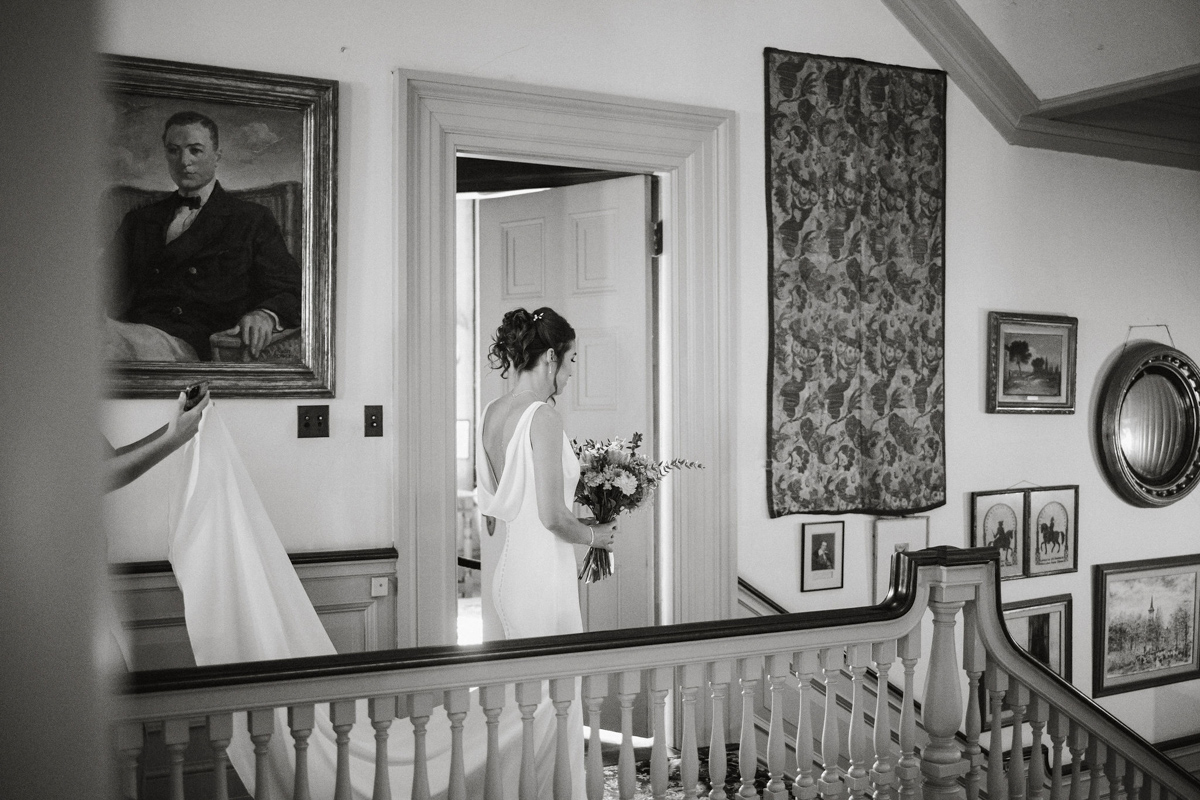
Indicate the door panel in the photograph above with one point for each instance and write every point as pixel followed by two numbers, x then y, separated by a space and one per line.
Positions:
pixel 584 251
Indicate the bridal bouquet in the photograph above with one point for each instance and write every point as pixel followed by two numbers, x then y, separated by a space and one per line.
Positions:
pixel 614 477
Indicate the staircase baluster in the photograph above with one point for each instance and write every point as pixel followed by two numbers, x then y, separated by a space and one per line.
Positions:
pixel 1018 700
pixel 974 664
pixel 458 704
pixel 777 677
pixel 942 710
pixel 908 767
pixel 1112 772
pixel 1058 727
pixel 719 675
pixel 661 680
pixel 595 689
pixel 996 682
pixel 130 740
pixel 176 735
pixel 628 687
pixel 1038 713
pixel 750 672
pixel 260 723
pixel 1077 742
pixel 562 694
pixel 220 732
pixel 857 656
pixel 491 700
pixel 529 694
pixel 1095 756
pixel 832 660
pixel 342 716
pixel 883 775
pixel 689 767
pixel 381 711
pixel 300 720
pixel 805 665
pixel 420 708
pixel 1132 780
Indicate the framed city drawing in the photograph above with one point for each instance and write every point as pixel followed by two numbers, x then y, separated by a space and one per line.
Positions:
pixel 1042 628
pixel 263 243
pixel 896 535
pixel 1144 623
pixel 998 520
pixel 822 550
pixel 1053 527
pixel 1031 363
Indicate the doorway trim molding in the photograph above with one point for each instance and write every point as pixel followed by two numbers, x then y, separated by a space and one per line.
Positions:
pixel 693 150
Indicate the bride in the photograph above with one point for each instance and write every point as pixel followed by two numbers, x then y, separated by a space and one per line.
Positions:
pixel 526 479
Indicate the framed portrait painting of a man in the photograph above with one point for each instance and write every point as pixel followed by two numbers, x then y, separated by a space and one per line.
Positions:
pixel 822 545
pixel 218 226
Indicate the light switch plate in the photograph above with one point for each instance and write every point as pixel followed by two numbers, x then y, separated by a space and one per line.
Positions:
pixel 312 421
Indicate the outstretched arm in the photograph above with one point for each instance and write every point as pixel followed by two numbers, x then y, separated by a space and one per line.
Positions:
pixel 546 434
pixel 128 463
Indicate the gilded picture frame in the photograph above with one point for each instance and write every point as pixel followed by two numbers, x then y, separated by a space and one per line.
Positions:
pixel 278 143
pixel 1031 363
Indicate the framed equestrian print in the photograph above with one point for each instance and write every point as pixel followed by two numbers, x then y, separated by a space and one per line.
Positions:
pixel 1053 527
pixel 218 218
pixel 998 520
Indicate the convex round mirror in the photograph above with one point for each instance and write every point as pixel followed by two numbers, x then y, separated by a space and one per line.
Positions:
pixel 1149 424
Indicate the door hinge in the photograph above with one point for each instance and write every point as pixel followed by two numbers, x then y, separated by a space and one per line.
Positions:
pixel 658 238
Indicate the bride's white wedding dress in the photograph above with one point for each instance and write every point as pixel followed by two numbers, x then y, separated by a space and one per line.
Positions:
pixel 244 602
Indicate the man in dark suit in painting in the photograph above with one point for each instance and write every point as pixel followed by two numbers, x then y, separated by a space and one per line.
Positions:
pixel 198 262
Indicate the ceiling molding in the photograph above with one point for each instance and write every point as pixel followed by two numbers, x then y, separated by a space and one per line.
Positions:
pixel 1097 122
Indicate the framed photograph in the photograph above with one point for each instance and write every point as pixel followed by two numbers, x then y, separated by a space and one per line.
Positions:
pixel 1031 363
pixel 219 228
pixel 821 555
pixel 893 536
pixel 998 520
pixel 1042 628
pixel 1144 623
pixel 1053 527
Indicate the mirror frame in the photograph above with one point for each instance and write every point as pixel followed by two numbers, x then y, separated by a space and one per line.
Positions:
pixel 1135 361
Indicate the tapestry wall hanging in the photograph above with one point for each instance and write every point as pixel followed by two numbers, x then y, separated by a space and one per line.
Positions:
pixel 856 171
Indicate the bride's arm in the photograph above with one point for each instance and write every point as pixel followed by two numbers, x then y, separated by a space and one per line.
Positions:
pixel 546 435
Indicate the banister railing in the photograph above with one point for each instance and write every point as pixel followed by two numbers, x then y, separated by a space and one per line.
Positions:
pixel 702 664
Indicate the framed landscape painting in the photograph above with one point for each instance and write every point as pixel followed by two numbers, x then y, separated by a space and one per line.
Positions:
pixel 1144 623
pixel 1031 363
pixel 998 520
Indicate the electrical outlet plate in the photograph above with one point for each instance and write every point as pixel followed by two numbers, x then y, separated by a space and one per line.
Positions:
pixel 312 421
pixel 372 420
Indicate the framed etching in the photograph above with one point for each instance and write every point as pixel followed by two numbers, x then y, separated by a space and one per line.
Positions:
pixel 237 290
pixel 822 547
pixel 998 520
pixel 897 535
pixel 1042 628
pixel 1053 527
pixel 1144 623
pixel 1031 363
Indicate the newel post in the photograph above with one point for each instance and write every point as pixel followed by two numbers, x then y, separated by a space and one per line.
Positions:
pixel 942 712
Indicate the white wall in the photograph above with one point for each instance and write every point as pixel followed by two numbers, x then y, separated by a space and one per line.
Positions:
pixel 1111 243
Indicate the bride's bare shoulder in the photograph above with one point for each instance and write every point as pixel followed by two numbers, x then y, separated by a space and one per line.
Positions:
pixel 547 421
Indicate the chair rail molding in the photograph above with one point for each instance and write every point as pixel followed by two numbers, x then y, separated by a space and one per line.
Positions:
pixel 692 150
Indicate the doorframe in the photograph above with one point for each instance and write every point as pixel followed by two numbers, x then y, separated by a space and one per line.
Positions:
pixel 692 150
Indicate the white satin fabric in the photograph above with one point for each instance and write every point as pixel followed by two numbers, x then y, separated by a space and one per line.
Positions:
pixel 244 602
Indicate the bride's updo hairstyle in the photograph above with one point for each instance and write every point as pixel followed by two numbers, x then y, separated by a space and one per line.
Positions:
pixel 523 336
